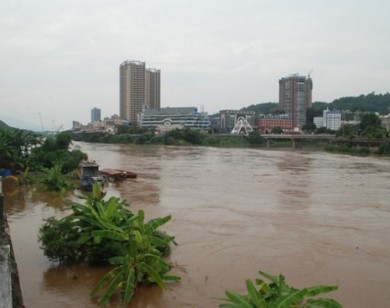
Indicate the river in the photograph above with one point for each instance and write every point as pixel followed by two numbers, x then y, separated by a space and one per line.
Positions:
pixel 317 218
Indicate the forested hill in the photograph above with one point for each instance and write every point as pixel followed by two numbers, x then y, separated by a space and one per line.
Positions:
pixel 4 126
pixel 370 102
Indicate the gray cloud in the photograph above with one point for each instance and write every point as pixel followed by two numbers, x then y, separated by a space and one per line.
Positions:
pixel 61 58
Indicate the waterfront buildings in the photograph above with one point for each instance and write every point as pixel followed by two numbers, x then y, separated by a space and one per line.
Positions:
pixel 228 119
pixel 96 115
pixel 330 120
pixel 176 117
pixel 295 96
pixel 139 89
pixel 266 122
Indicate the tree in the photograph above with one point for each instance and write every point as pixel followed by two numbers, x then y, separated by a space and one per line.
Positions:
pixel 277 130
pixel 370 126
pixel 309 128
pixel 63 140
pixel 369 120
pixel 15 148
pixel 313 112
pixel 254 138
pixel 347 131
pixel 55 151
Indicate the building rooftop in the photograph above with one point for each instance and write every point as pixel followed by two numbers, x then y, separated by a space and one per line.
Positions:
pixel 171 110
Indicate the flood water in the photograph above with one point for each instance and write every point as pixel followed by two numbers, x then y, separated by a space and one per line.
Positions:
pixel 317 218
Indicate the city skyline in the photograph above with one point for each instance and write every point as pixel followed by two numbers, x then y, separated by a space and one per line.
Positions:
pixel 59 60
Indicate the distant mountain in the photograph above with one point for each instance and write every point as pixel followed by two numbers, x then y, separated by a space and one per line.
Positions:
pixel 370 103
pixel 3 125
pixel 265 108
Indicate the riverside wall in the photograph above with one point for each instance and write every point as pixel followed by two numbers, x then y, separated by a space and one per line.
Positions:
pixel 10 291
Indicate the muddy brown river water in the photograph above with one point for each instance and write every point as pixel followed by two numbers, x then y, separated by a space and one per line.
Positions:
pixel 317 218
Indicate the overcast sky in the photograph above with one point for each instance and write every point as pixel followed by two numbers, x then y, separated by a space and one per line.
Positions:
pixel 59 59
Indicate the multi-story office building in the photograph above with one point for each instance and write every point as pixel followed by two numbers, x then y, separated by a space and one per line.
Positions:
pixel 174 117
pixel 152 88
pixel 132 90
pixel 330 120
pixel 266 123
pixel 96 115
pixel 295 96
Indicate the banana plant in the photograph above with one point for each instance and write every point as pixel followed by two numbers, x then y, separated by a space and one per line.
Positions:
pixel 53 179
pixel 278 294
pixel 143 261
pixel 106 232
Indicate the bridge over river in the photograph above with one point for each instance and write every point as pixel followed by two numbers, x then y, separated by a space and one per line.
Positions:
pixel 332 139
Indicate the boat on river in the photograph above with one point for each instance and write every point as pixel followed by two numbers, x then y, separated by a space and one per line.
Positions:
pixel 118 174
pixel 89 174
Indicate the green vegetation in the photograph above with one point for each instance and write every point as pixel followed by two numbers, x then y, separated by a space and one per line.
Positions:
pixel 15 148
pixel 255 139
pixel 309 128
pixel 277 294
pixel 384 149
pixel 24 152
pixel 53 179
pixel 369 103
pixel 265 108
pixel 55 151
pixel 370 127
pixel 184 136
pixel 4 126
pixel 102 232
pixel 348 149
pixel 277 130
pixel 348 131
pixel 58 238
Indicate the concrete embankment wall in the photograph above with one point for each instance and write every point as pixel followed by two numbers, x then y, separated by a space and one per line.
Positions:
pixel 10 291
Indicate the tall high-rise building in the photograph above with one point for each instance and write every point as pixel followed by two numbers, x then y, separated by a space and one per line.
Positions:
pixel 132 90
pixel 152 88
pixel 96 115
pixel 295 96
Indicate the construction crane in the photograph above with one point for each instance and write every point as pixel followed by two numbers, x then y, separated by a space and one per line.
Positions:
pixel 40 117
pixel 308 75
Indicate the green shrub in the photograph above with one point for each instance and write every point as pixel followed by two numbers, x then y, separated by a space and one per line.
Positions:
pixel 53 179
pixel 58 239
pixel 277 294
pixel 384 149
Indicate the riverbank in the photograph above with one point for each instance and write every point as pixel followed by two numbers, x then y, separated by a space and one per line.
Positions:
pixel 331 144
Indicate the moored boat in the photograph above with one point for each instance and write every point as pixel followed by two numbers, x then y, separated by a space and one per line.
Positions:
pixel 89 174
pixel 118 174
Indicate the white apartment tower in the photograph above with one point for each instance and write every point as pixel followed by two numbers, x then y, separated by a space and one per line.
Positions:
pixel 152 88
pixel 132 90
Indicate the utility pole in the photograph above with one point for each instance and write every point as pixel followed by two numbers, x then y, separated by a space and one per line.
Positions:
pixel 40 117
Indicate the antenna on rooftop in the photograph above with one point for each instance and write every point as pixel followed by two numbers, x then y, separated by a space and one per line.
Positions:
pixel 308 75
